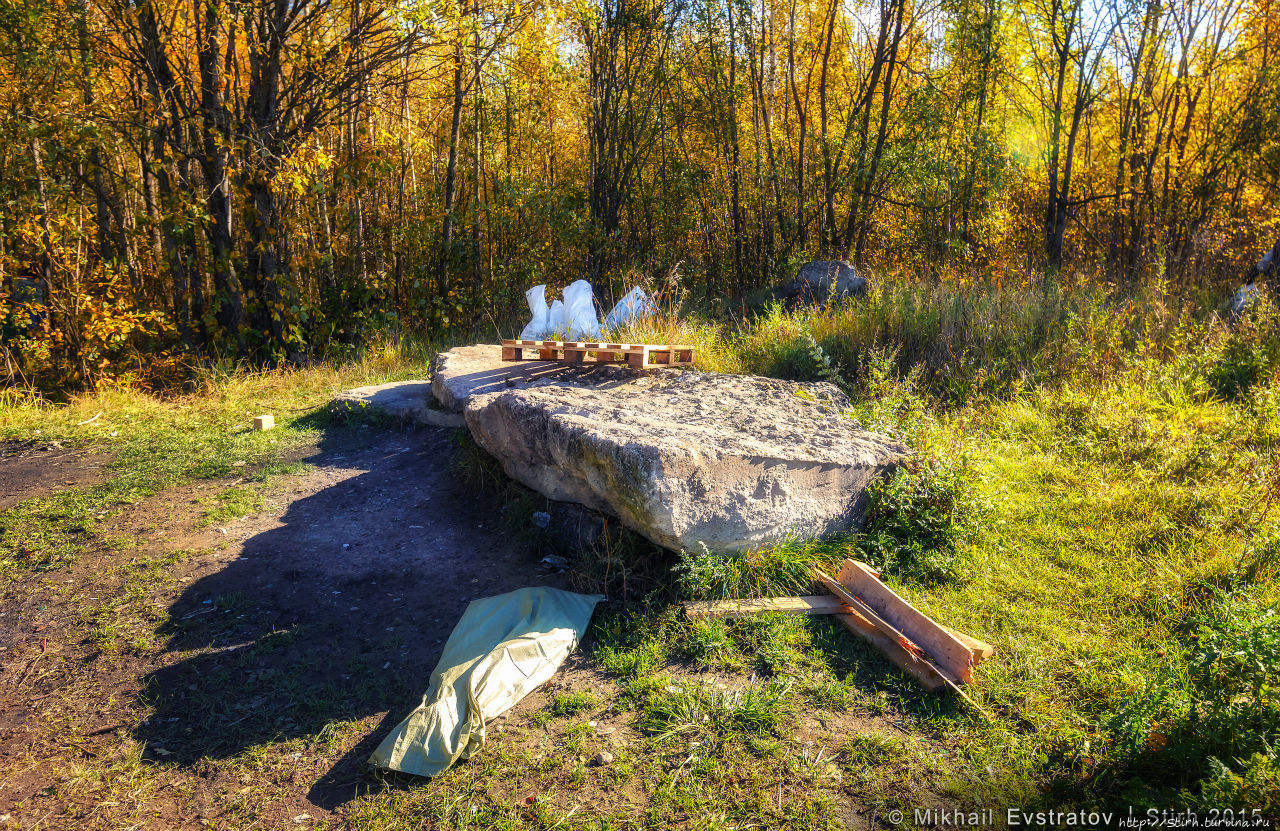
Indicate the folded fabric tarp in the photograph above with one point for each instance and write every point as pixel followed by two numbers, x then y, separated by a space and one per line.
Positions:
pixel 501 650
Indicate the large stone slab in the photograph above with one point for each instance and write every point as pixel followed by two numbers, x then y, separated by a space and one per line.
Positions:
pixel 474 370
pixel 687 458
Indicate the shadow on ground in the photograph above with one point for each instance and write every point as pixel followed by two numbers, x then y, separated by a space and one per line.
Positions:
pixel 340 611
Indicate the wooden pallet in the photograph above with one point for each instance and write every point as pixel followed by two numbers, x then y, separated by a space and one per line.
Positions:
pixel 635 355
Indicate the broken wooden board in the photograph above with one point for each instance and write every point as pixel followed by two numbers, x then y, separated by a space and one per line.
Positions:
pixel 814 604
pixel 811 604
pixel 903 658
pixel 950 653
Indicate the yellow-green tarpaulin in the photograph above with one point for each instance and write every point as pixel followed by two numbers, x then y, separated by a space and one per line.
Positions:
pixel 502 648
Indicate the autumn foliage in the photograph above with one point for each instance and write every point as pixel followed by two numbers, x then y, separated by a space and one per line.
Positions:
pixel 271 179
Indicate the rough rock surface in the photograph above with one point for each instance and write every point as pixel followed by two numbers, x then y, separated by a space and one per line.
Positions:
pixel 818 280
pixel 471 370
pixel 733 462
pixel 408 400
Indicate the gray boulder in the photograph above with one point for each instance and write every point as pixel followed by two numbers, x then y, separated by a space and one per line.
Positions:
pixel 817 281
pixel 687 458
pixel 1245 299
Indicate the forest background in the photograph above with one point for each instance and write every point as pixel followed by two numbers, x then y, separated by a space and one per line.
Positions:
pixel 271 180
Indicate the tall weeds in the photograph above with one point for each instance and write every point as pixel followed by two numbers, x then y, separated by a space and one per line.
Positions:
pixel 968 340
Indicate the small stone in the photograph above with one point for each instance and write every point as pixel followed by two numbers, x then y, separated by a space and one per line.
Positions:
pixel 301 818
pixel 541 519
pixel 602 758
pixel 264 422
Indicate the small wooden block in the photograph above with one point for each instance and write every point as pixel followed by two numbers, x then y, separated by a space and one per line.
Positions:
pixel 264 422
pixel 512 353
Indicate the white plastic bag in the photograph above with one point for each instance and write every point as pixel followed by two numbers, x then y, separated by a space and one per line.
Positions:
pixel 580 312
pixel 634 307
pixel 537 328
pixel 555 320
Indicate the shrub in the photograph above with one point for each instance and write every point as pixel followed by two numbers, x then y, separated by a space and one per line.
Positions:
pixel 1239 367
pixel 1249 356
pixel 782 570
pixel 1208 731
pixel 918 519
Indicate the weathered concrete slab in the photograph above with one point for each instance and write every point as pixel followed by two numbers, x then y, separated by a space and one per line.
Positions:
pixel 475 370
pixel 408 400
pixel 687 458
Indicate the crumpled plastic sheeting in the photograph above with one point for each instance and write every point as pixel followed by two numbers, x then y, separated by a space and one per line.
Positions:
pixel 574 318
pixel 539 325
pixel 502 649
pixel 634 307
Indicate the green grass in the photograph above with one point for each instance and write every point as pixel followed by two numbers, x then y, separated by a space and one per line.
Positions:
pixel 1097 494
pixel 1096 480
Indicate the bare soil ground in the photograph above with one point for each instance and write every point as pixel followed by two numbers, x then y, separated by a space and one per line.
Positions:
pixel 34 469
pixel 329 605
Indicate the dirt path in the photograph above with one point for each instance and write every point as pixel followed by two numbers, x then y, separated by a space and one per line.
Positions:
pixel 296 636
pixel 33 469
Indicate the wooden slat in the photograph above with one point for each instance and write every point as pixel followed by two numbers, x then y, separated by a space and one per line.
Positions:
pixel 980 650
pixel 815 604
pixel 948 651
pixel 857 605
pixel 915 660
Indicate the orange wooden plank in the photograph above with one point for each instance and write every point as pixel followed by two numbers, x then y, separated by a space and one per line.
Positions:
pixel 944 648
pixel 894 651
